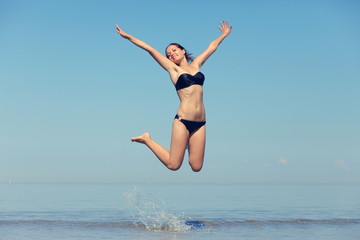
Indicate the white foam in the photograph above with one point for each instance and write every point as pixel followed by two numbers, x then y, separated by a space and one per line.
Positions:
pixel 154 215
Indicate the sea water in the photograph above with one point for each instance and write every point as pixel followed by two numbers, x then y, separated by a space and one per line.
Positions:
pixel 127 211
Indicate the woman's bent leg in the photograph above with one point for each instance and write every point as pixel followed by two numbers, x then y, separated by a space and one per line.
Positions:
pixel 171 159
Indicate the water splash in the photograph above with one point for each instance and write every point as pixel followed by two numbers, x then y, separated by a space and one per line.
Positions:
pixel 154 215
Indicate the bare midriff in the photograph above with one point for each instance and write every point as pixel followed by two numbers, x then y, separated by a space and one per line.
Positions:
pixel 191 103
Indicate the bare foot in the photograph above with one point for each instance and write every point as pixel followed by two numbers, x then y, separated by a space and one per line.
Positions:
pixel 142 138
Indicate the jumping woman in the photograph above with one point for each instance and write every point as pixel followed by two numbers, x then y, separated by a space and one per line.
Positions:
pixel 188 129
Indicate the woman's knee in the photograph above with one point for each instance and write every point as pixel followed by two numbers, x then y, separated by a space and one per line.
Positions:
pixel 196 167
pixel 174 166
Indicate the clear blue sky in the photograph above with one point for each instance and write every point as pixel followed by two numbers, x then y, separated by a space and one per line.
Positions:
pixel 282 92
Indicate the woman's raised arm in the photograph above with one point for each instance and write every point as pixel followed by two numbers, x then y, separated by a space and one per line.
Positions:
pixel 201 59
pixel 161 59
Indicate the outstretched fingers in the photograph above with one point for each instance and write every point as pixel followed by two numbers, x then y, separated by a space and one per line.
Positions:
pixel 224 27
pixel 121 32
pixel 118 29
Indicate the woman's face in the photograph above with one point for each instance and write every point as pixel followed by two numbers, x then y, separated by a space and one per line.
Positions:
pixel 175 54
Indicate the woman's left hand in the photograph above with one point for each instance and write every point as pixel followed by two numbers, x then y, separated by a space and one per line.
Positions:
pixel 225 28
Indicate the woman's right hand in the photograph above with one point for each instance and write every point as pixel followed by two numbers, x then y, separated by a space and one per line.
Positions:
pixel 122 33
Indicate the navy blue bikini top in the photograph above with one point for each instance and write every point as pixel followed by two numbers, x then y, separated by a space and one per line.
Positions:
pixel 186 80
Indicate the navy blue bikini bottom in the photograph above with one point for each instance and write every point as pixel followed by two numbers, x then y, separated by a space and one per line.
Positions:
pixel 191 126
